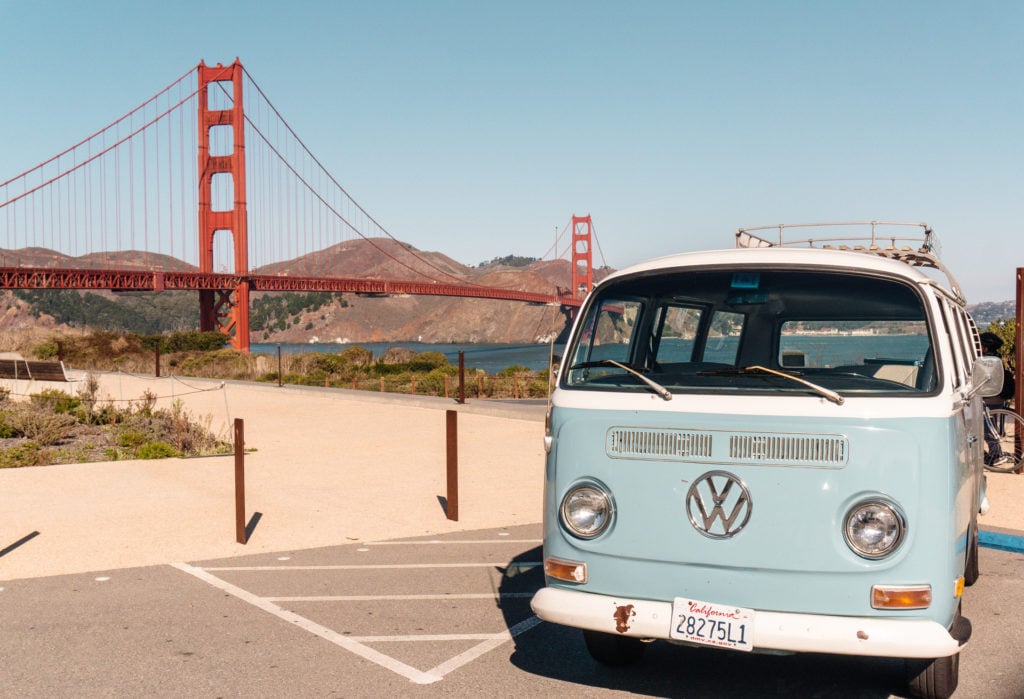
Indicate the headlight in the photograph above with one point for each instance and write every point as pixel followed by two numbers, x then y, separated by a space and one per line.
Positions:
pixel 587 510
pixel 874 529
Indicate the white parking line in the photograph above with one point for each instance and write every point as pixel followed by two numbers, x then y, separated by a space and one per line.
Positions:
pixel 385 661
pixel 482 648
pixel 435 542
pixel 356 644
pixel 404 598
pixel 523 565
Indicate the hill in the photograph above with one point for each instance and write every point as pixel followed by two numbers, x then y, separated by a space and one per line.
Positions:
pixel 992 311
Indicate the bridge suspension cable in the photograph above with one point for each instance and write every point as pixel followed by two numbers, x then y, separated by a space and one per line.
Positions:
pixel 323 200
pixel 125 199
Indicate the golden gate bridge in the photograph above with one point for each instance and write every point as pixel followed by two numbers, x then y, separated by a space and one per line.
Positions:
pixel 205 187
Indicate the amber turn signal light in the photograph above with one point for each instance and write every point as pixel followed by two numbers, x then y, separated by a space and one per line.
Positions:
pixel 901 596
pixel 569 571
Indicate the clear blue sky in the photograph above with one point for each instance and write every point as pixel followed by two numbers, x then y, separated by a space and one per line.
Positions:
pixel 478 128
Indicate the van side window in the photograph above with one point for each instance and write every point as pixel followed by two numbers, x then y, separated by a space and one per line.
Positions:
pixel 608 334
pixel 967 333
pixel 956 341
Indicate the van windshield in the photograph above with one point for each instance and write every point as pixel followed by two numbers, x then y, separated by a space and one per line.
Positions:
pixel 723 330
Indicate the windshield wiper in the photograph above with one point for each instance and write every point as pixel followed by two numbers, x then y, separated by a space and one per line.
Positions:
pixel 820 390
pixel 657 387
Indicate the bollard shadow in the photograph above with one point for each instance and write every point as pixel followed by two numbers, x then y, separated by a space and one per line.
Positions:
pixel 20 542
pixel 666 670
pixel 443 502
pixel 251 526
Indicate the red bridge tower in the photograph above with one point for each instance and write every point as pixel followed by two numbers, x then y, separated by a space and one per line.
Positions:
pixel 582 257
pixel 226 310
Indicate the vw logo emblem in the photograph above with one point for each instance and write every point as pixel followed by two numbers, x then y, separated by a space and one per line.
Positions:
pixel 718 505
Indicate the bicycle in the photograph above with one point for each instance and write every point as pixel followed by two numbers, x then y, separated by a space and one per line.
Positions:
pixel 1008 426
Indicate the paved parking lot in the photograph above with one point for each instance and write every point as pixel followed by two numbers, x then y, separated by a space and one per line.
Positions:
pixel 416 617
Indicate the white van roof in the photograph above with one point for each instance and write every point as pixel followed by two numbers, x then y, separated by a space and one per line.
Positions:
pixel 887 254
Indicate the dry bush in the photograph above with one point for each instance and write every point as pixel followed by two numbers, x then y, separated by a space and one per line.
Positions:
pixel 39 424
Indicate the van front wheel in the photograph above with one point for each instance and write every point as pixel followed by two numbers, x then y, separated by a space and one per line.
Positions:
pixel 934 679
pixel 615 651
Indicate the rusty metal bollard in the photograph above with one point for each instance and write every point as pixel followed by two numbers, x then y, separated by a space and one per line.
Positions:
pixel 240 535
pixel 452 452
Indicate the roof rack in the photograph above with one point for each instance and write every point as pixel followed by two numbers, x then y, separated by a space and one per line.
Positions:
pixel 915 250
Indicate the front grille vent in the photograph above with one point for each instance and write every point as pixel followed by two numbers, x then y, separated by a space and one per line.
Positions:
pixel 822 451
pixel 648 443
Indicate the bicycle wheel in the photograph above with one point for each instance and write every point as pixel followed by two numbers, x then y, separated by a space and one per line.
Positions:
pixel 1010 427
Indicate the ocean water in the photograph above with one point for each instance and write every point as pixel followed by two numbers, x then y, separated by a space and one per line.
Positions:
pixel 491 358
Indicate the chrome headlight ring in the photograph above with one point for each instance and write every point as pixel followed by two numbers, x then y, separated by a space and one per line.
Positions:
pixel 587 509
pixel 874 528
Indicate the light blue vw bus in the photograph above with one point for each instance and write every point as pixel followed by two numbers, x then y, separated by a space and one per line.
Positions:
pixel 772 448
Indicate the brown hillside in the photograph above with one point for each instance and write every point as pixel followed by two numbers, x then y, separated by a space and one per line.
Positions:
pixel 421 318
pixel 366 319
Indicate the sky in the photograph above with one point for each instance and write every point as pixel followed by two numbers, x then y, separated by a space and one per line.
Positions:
pixel 478 129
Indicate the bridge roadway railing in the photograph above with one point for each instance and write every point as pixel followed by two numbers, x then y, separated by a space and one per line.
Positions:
pixel 151 280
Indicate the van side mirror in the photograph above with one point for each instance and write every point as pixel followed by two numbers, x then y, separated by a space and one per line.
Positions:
pixel 987 376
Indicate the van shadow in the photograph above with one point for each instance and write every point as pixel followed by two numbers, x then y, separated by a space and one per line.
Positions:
pixel 666 670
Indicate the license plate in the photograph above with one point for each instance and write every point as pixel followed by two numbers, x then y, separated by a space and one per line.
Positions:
pixel 712 624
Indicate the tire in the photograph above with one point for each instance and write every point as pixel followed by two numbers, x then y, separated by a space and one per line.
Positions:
pixel 1011 427
pixel 614 651
pixel 972 571
pixel 934 679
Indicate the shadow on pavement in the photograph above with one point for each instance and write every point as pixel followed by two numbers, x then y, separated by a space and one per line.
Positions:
pixel 20 542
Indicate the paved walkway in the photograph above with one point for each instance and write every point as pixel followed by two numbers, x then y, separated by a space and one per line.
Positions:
pixel 328 466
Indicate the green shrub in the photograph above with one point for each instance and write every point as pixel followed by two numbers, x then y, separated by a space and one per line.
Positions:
pixel 426 361
pixel 357 356
pixel 56 400
pixel 538 388
pixel 45 350
pixel 155 450
pixel 7 430
pixel 317 377
pixel 130 438
pixel 28 454
pixel 327 363
pixel 432 383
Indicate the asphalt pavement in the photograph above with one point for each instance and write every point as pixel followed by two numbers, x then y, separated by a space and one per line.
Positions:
pixel 425 616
